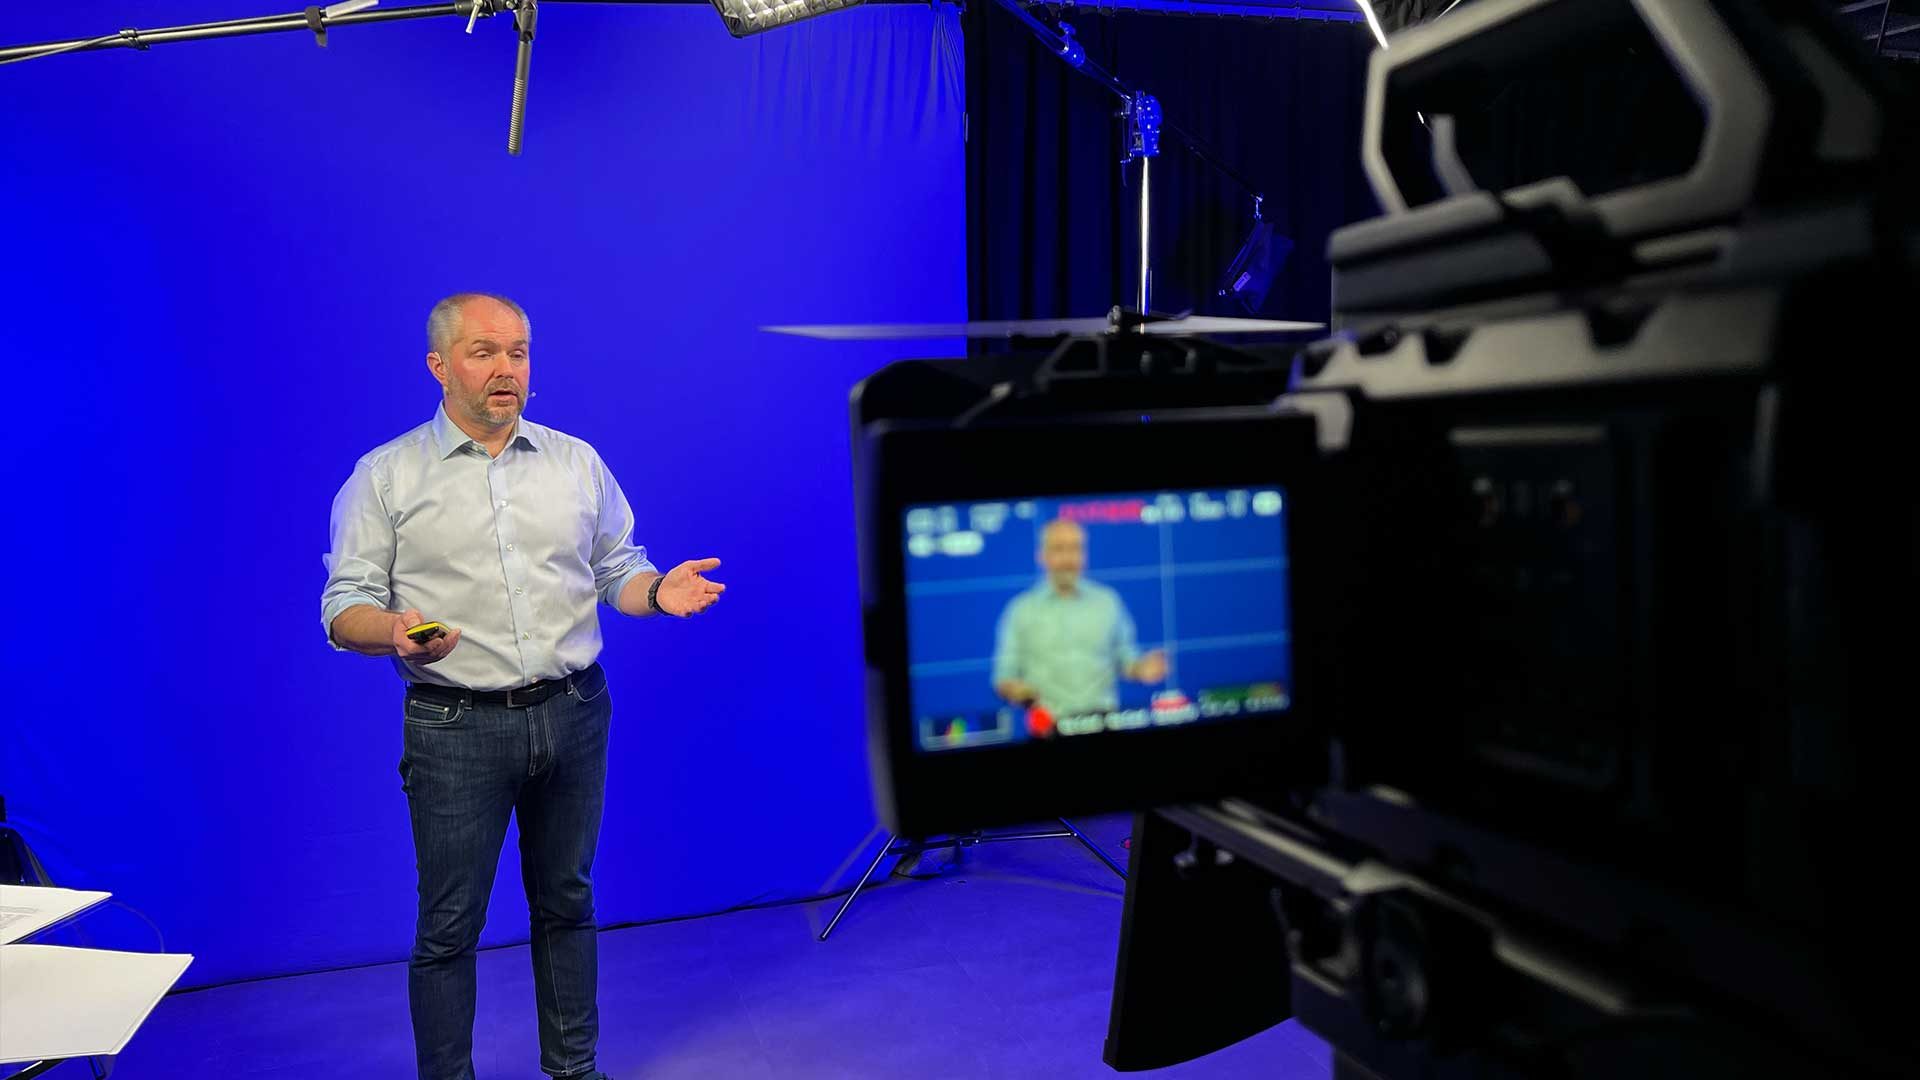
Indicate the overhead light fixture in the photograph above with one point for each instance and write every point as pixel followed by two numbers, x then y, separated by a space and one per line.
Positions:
pixel 1366 8
pixel 744 17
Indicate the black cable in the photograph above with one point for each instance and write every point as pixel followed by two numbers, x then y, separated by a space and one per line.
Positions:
pixel 750 905
pixel 142 916
pixel 39 872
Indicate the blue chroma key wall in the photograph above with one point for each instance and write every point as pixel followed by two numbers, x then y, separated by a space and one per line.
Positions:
pixel 217 260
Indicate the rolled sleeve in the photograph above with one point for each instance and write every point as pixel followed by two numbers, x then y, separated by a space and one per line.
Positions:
pixel 360 562
pixel 616 558
pixel 1006 647
pixel 1126 646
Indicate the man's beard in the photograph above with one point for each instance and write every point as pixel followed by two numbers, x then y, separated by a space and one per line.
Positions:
pixel 483 408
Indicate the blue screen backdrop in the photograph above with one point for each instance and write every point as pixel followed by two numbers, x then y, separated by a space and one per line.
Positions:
pixel 218 258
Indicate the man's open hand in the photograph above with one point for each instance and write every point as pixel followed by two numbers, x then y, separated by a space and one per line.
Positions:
pixel 1016 692
pixel 1150 668
pixel 685 589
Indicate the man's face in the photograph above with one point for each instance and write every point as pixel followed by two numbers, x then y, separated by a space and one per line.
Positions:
pixel 485 369
pixel 1063 553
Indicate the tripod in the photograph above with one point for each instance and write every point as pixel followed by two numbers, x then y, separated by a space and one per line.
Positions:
pixel 896 845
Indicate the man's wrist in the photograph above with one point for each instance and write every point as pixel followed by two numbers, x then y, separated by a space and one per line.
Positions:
pixel 653 595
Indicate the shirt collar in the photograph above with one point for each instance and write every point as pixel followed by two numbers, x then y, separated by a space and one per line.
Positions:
pixel 447 436
pixel 1046 589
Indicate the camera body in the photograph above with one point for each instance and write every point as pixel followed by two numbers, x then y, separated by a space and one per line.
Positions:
pixel 1594 550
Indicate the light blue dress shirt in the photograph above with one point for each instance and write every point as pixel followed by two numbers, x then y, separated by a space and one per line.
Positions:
pixel 513 550
pixel 1070 647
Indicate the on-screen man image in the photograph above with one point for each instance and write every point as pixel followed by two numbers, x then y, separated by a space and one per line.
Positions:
pixel 1065 643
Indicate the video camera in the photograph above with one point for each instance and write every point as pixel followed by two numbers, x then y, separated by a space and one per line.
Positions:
pixel 1517 675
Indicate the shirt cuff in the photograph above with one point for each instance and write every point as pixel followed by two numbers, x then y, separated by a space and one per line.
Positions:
pixel 611 595
pixel 332 610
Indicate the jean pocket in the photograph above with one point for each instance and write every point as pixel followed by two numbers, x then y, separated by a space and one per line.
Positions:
pixel 591 686
pixel 427 712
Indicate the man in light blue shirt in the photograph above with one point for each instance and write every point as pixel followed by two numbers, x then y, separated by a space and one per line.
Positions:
pixel 507 533
pixel 1065 643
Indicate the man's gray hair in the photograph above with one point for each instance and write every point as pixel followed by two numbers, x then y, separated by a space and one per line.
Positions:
pixel 443 322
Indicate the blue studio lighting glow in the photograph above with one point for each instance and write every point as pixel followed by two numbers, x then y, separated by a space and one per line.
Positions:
pixel 220 256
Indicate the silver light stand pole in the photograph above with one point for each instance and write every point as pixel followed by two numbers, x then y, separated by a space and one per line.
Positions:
pixel 523 23
pixel 1146 268
pixel 1142 114
pixel 318 20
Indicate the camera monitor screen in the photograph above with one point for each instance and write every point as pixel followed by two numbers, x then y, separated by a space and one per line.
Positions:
pixel 1094 617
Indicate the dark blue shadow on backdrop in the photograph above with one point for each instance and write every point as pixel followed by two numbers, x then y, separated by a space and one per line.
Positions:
pixel 217 261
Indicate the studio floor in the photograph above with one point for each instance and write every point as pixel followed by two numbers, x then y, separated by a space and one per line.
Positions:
pixel 1000 966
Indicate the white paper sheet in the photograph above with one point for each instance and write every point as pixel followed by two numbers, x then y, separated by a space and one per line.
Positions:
pixel 57 1002
pixel 28 909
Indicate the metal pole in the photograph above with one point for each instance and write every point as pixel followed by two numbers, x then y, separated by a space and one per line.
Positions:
pixel 1059 45
pixel 1880 39
pixel 523 20
pixel 1095 848
pixel 266 24
pixel 886 848
pixel 1054 41
pixel 1199 148
pixel 1146 167
pixel 993 838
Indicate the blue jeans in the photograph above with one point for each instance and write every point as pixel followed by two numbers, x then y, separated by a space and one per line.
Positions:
pixel 467 768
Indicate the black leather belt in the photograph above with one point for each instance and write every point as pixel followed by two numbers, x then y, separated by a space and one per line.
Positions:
pixel 517 698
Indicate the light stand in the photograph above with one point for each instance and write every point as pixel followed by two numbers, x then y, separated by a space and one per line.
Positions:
pixel 896 845
pixel 342 14
pixel 317 20
pixel 523 19
pixel 1143 141
pixel 1141 111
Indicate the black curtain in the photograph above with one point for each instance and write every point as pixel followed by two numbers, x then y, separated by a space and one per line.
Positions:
pixel 1052 226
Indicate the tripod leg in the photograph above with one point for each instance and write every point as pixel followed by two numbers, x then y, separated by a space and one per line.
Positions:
pixel 885 849
pixel 1095 848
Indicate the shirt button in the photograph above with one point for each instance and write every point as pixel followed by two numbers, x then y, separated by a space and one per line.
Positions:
pixel 509 547
pixel 517 590
pixel 502 504
pixel 524 637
